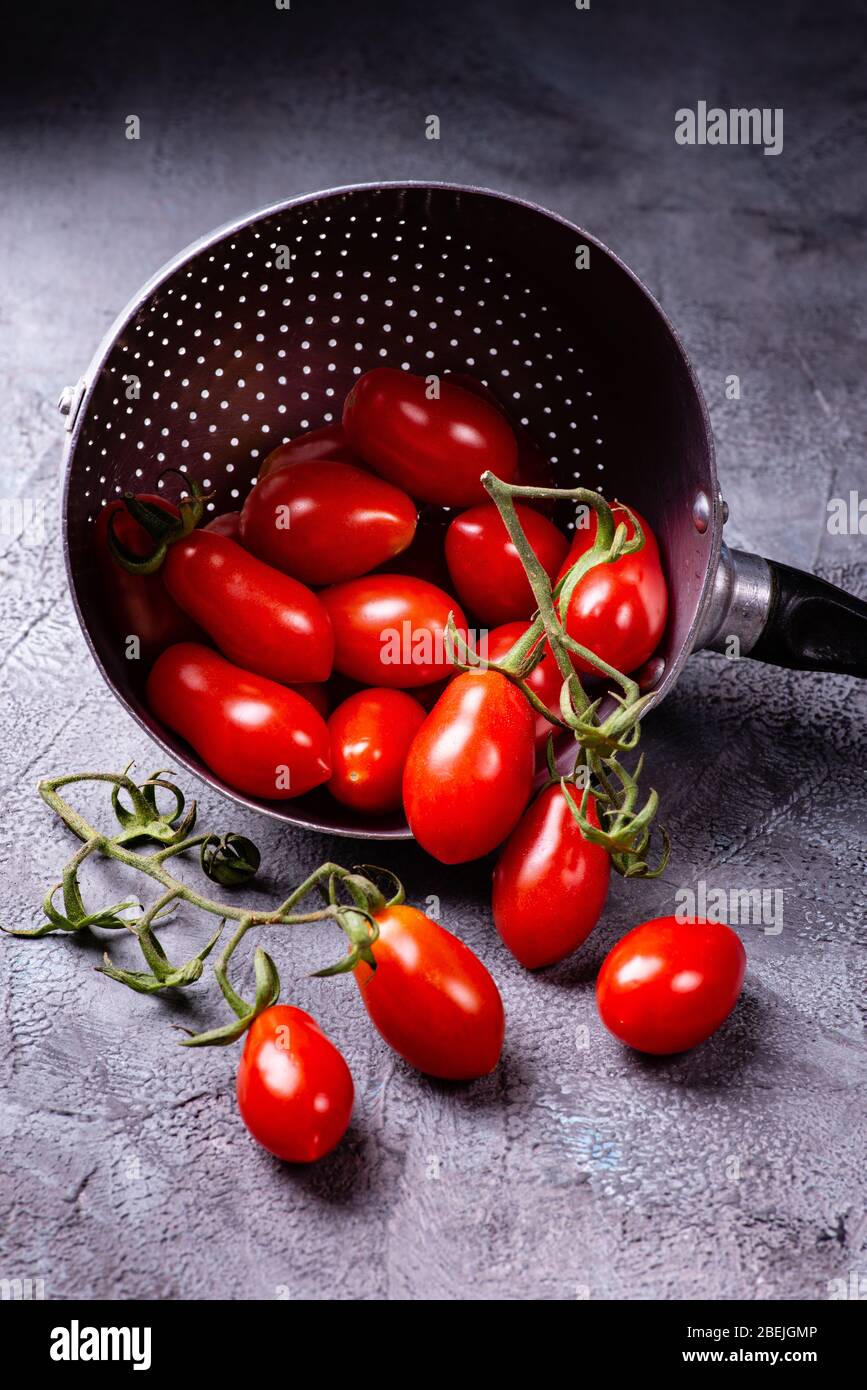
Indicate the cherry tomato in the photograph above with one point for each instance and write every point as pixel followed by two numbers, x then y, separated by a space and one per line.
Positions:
pixel 294 1088
pixel 257 736
pixel 469 772
pixel 485 567
pixel 437 449
pixel 431 998
pixel 544 680
pixel 139 605
pixel 326 443
pixel 667 985
pixel 390 629
pixel 550 884
pixel 534 468
pixel 370 737
pixel 324 522
pixel 618 611
pixel 258 617
pixel 226 524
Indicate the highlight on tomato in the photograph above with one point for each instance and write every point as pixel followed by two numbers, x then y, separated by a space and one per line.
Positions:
pixel 431 998
pixel 261 619
pixel 294 1089
pixel 428 436
pixel 669 984
pixel 390 629
pixel 469 771
pixel 258 736
pixel 618 610
pixel 550 884
pixel 485 567
pixel 326 521
pixel 371 733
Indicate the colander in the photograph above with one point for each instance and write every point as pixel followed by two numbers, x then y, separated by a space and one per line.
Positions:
pixel 256 333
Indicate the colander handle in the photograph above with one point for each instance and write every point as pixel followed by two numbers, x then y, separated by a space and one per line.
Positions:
pixel 786 617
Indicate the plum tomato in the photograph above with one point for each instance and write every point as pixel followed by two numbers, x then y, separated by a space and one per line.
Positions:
pixel 431 998
pixel 550 884
pixel 390 629
pixel 544 680
pixel 469 771
pixel 259 618
pixel 370 737
pixel 326 443
pixel 485 567
pixel 294 1088
pixel 669 984
pixel 619 610
pixel 259 737
pixel 433 441
pixel 325 522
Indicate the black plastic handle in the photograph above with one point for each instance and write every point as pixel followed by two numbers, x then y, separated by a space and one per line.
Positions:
pixel 812 625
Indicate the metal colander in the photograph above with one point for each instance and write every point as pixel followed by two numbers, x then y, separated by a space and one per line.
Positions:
pixel 256 333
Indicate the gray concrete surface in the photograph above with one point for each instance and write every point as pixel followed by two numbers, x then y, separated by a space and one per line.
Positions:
pixel 732 1172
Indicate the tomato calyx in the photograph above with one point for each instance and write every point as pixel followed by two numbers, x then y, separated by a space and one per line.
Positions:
pixel 162 526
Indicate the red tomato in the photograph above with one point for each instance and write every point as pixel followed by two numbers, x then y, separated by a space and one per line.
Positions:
pixel 370 737
pixel 257 736
pixel 469 772
pixel 550 884
pixel 326 443
pixel 139 605
pixel 226 524
pixel 667 985
pixel 425 558
pixel 618 611
pixel 431 998
pixel 323 522
pixel 294 1088
pixel 390 629
pixel 484 564
pixel 317 695
pixel 544 680
pixel 534 468
pixel 258 617
pixel 436 449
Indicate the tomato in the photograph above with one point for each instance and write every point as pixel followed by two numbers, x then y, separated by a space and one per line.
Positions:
pixel 324 522
pixel 469 772
pixel 294 1088
pixel 618 611
pixel 534 468
pixel 257 736
pixel 544 680
pixel 370 737
pixel 550 884
pixel 485 567
pixel 326 443
pixel 226 524
pixel 390 629
pixel 258 617
pixel 436 449
pixel 425 558
pixel 138 605
pixel 667 985
pixel 431 998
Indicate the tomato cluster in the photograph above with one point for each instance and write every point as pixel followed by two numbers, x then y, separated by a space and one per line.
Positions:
pixel 274 634
pixel 309 639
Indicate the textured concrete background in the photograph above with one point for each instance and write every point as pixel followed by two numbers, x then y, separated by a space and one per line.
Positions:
pixel 735 1171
